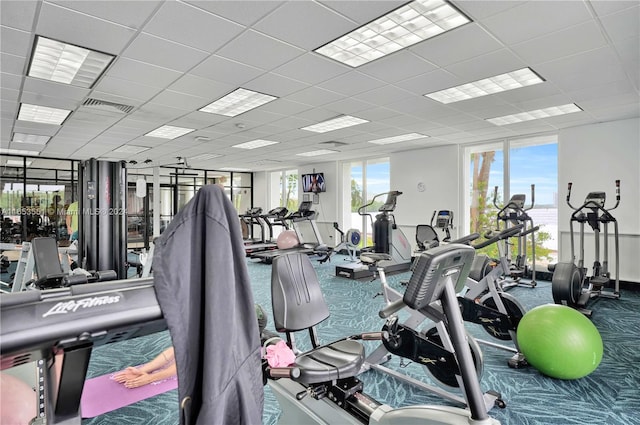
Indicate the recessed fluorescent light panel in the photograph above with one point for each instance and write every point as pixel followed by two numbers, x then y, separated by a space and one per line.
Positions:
pixel 337 123
pixel 205 157
pixel 535 115
pixel 32 139
pixel 130 149
pixel 42 114
pixel 169 132
pixel 317 153
pixel 254 144
pixel 237 102
pixel 19 152
pixel 503 82
pixel 17 162
pixel 401 28
pixel 234 169
pixel 397 139
pixel 64 63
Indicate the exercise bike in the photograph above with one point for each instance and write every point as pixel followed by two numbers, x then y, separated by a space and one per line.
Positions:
pixel 410 340
pixel 570 284
pixel 321 385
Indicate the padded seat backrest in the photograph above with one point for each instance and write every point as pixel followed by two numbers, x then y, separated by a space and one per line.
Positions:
pixel 424 235
pixel 45 253
pixel 296 297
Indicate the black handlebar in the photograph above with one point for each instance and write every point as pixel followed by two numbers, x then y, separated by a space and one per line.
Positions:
pixel 506 233
pixel 585 204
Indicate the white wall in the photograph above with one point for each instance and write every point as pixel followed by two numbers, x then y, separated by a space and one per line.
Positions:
pixel 593 157
pixel 438 168
pixel 328 205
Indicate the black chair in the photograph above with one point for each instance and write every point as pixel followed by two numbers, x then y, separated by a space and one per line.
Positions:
pixel 298 305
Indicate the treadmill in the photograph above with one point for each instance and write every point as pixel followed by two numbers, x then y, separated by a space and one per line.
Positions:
pixel 275 217
pixel 251 217
pixel 304 214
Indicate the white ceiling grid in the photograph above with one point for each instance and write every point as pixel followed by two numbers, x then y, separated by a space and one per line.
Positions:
pixel 174 57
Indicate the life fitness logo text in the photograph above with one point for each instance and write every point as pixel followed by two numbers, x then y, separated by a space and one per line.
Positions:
pixel 72 306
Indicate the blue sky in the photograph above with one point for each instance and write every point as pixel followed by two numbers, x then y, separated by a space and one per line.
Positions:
pixel 529 165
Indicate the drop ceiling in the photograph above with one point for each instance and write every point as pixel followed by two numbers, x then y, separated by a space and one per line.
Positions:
pixel 174 57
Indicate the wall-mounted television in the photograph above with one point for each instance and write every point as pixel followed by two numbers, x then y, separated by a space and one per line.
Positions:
pixel 313 182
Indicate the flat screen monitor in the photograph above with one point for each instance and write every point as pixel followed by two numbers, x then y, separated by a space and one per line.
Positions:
pixel 313 183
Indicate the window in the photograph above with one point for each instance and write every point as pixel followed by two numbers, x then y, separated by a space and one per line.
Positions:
pixel 367 179
pixel 513 166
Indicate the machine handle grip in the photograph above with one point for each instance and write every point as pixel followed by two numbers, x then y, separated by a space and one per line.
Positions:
pixel 374 336
pixel 617 196
pixel 533 195
pixel 284 372
pixel 495 196
pixel 389 309
pixel 569 195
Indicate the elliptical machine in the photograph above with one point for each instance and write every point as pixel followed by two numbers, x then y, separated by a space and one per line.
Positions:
pixel 388 238
pixel 570 284
pixel 512 214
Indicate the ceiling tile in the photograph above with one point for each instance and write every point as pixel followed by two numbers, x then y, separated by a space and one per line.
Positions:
pixel 383 95
pixel 188 25
pixel 18 14
pixel 623 24
pixel 580 38
pixel 363 11
pixel 284 107
pixel 51 101
pixel 275 85
pixel 223 70
pixel 604 8
pixel 179 100
pixel 534 19
pixel 348 106
pixel 198 86
pixel 305 24
pixel 397 66
pixel 245 12
pixel 9 109
pixel 35 128
pixel 123 88
pixel 470 40
pixel 51 88
pixel 315 96
pixel 312 68
pixel 142 73
pixel 494 63
pixel 12 64
pixel 480 9
pixel 15 42
pixel 167 54
pixel 250 47
pixel 431 81
pixel 352 83
pixel 82 30
pixel 130 13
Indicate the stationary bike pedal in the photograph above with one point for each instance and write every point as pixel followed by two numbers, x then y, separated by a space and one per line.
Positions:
pixel 498 401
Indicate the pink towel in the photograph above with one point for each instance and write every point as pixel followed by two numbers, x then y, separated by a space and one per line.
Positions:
pixel 103 394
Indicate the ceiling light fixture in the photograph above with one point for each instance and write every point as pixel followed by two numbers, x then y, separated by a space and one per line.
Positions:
pixel 551 111
pixel 169 132
pixel 42 114
pixel 18 152
pixel 234 169
pixel 318 152
pixel 503 82
pixel 398 139
pixel 337 123
pixel 254 144
pixel 401 28
pixel 32 139
pixel 237 102
pixel 130 149
pixel 205 157
pixel 65 63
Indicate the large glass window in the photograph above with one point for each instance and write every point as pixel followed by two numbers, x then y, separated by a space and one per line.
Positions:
pixel 367 179
pixel 499 171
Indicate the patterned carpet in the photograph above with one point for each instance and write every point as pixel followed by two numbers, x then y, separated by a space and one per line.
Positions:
pixel 610 395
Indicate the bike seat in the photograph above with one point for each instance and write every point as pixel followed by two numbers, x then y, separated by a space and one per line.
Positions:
pixel 337 360
pixel 374 257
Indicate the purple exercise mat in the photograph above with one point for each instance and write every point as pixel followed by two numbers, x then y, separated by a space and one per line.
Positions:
pixel 103 394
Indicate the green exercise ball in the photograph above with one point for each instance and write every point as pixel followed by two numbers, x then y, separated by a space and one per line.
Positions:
pixel 559 341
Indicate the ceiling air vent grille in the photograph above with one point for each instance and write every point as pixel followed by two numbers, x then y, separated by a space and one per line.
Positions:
pixel 333 143
pixel 107 106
